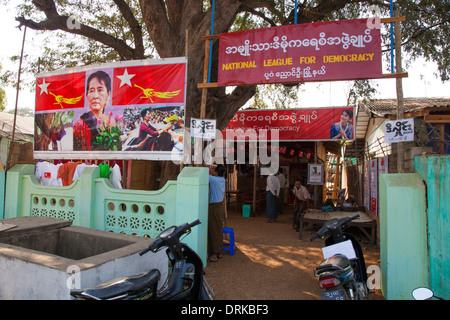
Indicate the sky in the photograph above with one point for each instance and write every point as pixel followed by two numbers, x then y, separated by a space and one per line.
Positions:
pixel 421 81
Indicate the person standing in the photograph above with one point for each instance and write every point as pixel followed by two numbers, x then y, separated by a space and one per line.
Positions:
pixel 280 199
pixel 216 212
pixel 301 196
pixel 273 193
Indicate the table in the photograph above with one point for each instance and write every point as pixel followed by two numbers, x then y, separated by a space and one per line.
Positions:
pixel 314 216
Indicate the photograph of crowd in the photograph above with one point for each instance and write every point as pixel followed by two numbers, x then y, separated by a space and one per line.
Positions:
pixel 153 128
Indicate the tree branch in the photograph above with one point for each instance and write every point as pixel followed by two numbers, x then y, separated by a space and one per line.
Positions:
pixel 157 23
pixel 55 21
pixel 135 28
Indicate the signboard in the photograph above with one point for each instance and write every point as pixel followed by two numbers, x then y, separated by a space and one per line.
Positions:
pixel 316 124
pixel 203 128
pixel 399 130
pixel 124 110
pixel 315 174
pixel 322 51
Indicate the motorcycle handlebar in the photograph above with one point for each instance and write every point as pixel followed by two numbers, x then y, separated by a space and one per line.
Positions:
pixel 180 230
pixel 193 224
pixel 337 223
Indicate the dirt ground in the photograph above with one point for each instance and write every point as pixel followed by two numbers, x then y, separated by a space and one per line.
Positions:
pixel 271 263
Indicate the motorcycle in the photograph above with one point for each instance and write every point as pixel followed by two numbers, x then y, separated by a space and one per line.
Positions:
pixel 342 276
pixel 185 280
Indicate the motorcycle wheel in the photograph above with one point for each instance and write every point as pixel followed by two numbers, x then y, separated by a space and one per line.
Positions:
pixel 207 292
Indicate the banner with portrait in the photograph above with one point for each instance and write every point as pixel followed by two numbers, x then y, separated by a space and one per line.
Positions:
pixel 123 110
pixel 305 124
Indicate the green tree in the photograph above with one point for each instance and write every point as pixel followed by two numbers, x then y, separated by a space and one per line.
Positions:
pixel 130 29
pixel 3 100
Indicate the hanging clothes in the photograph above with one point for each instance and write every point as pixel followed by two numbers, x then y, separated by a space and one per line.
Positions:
pixel 47 173
pixel 66 172
pixel 79 169
pixel 104 170
pixel 116 176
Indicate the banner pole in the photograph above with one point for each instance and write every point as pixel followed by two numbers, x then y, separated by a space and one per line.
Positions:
pixel 210 42
pixel 295 9
pixel 11 148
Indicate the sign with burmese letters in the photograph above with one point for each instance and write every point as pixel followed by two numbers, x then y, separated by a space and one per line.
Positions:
pixel 322 51
pixel 203 128
pixel 399 130
pixel 303 124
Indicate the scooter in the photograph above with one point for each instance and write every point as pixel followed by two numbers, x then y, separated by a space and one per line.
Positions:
pixel 343 276
pixel 185 280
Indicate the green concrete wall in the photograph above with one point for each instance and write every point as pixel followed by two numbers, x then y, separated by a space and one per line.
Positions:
pixel 403 244
pixel 435 171
pixel 415 229
pixel 92 202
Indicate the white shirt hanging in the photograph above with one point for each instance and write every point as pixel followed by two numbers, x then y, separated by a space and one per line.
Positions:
pixel 116 177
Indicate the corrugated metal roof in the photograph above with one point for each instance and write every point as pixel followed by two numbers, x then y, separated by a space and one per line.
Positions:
pixel 384 107
pixel 24 126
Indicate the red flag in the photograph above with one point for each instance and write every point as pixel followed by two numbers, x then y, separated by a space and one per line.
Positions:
pixel 65 91
pixel 155 84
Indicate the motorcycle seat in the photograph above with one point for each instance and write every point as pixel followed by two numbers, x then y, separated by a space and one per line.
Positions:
pixel 337 262
pixel 121 286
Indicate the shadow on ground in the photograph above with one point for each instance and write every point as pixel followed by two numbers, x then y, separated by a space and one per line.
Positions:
pixel 270 262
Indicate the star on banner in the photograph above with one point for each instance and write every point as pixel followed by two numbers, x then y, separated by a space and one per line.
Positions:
pixel 44 87
pixel 125 78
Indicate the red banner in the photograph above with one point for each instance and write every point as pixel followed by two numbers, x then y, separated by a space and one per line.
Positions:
pixel 65 91
pixel 294 124
pixel 128 110
pixel 149 84
pixel 322 51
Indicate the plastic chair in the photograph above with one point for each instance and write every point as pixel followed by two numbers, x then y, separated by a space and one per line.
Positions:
pixel 229 246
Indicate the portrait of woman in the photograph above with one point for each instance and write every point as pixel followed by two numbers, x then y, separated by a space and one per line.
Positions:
pixel 343 129
pixel 86 129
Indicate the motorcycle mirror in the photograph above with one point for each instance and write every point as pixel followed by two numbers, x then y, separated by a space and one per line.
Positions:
pixel 422 293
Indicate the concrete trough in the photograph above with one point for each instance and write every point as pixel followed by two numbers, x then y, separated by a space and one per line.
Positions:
pixel 43 258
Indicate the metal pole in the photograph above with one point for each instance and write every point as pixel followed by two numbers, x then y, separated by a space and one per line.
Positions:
pixel 211 42
pixel 295 16
pixel 17 101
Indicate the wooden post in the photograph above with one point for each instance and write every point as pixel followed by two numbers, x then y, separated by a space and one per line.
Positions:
pixel 186 53
pixel 316 149
pixel 199 141
pixel 205 79
pixel 255 171
pixel 400 109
